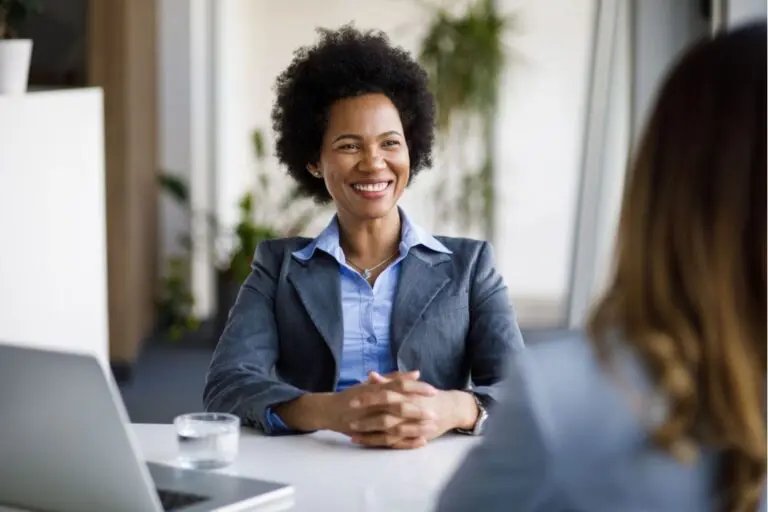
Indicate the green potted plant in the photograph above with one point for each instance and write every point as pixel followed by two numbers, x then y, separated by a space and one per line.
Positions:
pixel 15 53
pixel 174 299
pixel 266 212
pixel 465 57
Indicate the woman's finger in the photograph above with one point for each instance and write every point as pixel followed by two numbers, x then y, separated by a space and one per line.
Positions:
pixel 377 378
pixel 376 423
pixel 391 416
pixel 377 398
pixel 411 387
pixel 393 392
pixel 412 429
pixel 376 439
pixel 409 443
pixel 410 411
pixel 383 440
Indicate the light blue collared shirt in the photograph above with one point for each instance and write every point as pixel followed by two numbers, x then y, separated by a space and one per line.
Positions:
pixel 367 310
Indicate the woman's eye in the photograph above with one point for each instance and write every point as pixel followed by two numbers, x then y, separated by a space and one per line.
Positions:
pixel 348 147
pixel 391 143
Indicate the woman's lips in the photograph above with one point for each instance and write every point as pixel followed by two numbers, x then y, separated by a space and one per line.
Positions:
pixel 372 189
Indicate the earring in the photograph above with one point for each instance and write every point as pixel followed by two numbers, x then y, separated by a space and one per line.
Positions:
pixel 318 174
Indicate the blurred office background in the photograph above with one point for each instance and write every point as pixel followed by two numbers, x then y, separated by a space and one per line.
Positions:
pixel 177 134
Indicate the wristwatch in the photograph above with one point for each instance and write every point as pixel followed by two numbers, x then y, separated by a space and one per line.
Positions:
pixel 482 417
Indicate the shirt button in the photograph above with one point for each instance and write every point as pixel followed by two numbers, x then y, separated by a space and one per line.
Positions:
pixel 372 340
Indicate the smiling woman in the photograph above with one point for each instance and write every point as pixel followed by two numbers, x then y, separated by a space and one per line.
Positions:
pixel 375 328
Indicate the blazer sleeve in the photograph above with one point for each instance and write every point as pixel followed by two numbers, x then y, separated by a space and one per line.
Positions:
pixel 494 337
pixel 512 467
pixel 241 377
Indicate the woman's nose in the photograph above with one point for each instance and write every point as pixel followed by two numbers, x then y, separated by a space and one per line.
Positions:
pixel 372 161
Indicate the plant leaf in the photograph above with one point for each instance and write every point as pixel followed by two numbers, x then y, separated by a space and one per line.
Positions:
pixel 465 57
pixel 176 187
pixel 259 147
pixel 13 13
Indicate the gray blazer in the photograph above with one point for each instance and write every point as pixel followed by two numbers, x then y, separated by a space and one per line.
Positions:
pixel 451 320
pixel 566 438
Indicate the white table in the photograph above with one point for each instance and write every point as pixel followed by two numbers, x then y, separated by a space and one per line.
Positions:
pixel 331 474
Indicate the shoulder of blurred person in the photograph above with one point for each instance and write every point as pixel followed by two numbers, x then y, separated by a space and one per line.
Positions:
pixel 663 409
pixel 573 434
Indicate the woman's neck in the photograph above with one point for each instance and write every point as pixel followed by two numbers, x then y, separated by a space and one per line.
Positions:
pixel 367 243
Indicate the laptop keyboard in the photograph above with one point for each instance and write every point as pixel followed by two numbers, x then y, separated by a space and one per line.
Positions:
pixel 172 500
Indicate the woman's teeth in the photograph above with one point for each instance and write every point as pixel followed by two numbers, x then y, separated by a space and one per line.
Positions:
pixel 371 187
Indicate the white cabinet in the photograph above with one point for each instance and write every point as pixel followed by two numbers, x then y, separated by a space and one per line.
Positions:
pixel 53 251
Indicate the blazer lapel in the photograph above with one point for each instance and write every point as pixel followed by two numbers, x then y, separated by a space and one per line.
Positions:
pixel 319 288
pixel 422 276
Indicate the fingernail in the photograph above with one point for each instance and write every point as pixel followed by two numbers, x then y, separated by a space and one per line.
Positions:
pixel 355 403
pixel 354 425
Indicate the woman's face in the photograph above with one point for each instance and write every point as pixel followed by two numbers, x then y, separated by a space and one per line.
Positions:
pixel 364 157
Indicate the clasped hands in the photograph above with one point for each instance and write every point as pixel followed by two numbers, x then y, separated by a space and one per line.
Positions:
pixel 399 411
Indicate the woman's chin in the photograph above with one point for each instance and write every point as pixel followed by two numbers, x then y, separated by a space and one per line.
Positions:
pixel 372 210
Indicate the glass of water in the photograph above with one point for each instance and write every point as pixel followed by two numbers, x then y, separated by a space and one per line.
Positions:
pixel 207 440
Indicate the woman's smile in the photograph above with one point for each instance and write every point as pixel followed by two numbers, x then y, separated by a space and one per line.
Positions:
pixel 372 189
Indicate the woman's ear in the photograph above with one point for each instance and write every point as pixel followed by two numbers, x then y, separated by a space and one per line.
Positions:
pixel 314 170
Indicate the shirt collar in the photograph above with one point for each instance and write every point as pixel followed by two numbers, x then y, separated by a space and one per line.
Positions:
pixel 411 235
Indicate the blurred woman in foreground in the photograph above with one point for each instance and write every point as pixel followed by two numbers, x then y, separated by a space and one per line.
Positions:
pixel 663 409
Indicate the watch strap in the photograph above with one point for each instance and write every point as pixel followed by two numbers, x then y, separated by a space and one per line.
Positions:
pixel 482 416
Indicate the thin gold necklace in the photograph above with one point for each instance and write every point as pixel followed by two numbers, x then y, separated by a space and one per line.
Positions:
pixel 368 272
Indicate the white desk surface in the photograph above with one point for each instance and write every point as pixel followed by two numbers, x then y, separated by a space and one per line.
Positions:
pixel 331 474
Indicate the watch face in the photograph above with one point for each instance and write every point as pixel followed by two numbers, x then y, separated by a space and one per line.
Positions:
pixel 484 401
pixel 481 421
pixel 482 415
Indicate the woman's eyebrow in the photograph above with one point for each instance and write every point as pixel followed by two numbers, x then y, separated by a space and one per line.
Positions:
pixel 358 137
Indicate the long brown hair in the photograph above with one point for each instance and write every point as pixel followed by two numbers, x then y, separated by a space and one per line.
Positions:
pixel 689 288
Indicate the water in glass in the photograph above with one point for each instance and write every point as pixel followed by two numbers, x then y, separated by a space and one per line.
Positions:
pixel 207 441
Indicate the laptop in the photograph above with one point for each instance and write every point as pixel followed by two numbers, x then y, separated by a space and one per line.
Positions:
pixel 66 445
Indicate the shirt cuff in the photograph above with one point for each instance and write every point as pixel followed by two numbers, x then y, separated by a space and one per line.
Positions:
pixel 275 425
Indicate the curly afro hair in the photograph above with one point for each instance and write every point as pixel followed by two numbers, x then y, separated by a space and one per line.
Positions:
pixel 345 63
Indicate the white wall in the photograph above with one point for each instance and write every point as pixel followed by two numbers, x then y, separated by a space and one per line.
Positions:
pixel 53 262
pixel 661 30
pixel 174 93
pixel 616 152
pixel 186 135
pixel 542 120
pixel 541 116
pixel 605 144
pixel 241 91
pixel 648 38
pixel 741 11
